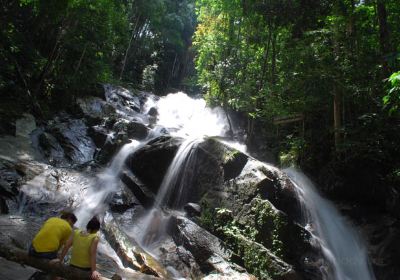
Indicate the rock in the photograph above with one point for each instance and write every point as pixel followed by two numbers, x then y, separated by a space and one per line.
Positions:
pixel 153 112
pixel 3 206
pixel 51 149
pixel 122 201
pixel 233 164
pixel 151 162
pixel 7 128
pixel 383 234
pixel 99 134
pixel 94 109
pixel 130 252
pixel 66 140
pixel 6 192
pixel 25 125
pixel 122 100
pixel 209 252
pixel 145 197
pixel 137 130
pixel 192 209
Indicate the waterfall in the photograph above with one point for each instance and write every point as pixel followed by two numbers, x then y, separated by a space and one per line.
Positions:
pixel 192 120
pixel 106 183
pixel 340 243
pixel 178 178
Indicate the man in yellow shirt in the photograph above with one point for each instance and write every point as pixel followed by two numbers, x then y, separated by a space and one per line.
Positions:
pixel 53 234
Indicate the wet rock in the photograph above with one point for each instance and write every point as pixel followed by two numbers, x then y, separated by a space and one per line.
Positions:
pixel 94 109
pixel 209 251
pixel 186 257
pixel 383 236
pixel 99 134
pixel 192 209
pixel 151 162
pixel 233 164
pixel 122 201
pixel 25 125
pixel 6 192
pixel 153 112
pixel 66 140
pixel 130 252
pixel 51 149
pixel 145 197
pixel 7 128
pixel 123 100
pixel 137 130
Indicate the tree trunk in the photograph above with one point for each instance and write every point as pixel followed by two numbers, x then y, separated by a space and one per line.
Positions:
pixel 337 117
pixel 80 59
pixel 384 36
pixel 17 255
pixel 134 31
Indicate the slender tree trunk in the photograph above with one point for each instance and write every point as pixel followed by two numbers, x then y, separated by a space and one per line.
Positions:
pixel 133 35
pixel 273 62
pixel 337 117
pixel 384 35
pixel 171 75
pixel 54 55
pixel 80 59
pixel 266 58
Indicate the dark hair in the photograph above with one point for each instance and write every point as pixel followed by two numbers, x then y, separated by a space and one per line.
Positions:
pixel 93 225
pixel 69 216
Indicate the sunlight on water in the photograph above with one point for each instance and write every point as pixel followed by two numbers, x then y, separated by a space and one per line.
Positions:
pixel 107 182
pixel 190 117
pixel 340 243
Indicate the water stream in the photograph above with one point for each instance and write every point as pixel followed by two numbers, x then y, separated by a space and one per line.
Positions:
pixel 189 118
pixel 340 243
pixel 107 182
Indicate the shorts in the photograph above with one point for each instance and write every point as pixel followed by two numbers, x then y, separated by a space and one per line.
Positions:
pixel 81 268
pixel 42 255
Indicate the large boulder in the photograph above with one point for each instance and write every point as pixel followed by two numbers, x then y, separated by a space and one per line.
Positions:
pixel 249 205
pixel 209 252
pixel 94 109
pixel 151 162
pixel 66 140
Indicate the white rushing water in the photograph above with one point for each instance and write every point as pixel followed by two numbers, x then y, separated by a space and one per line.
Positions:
pixel 192 120
pixel 190 117
pixel 339 242
pixel 107 182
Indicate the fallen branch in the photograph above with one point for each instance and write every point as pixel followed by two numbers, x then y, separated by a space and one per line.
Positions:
pixel 17 255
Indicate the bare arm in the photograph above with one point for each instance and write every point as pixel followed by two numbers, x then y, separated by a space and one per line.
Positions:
pixel 66 247
pixel 93 254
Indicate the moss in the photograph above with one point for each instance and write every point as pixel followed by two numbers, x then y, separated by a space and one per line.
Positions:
pixel 230 155
pixel 269 226
pixel 253 240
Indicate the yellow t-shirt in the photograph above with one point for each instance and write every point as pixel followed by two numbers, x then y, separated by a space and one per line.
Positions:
pixel 81 243
pixel 52 235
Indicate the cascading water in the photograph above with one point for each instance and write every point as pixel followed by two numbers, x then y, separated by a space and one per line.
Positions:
pixel 192 120
pixel 339 242
pixel 105 184
pixel 178 178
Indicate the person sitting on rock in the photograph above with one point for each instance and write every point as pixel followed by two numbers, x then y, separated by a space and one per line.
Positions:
pixel 53 234
pixel 84 248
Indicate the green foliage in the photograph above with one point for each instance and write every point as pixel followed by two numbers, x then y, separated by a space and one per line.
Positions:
pixel 392 99
pixel 65 47
pixel 271 59
pixel 291 154
pixel 264 227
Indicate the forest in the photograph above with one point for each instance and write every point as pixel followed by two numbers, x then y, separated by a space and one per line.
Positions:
pixel 311 84
pixel 333 63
